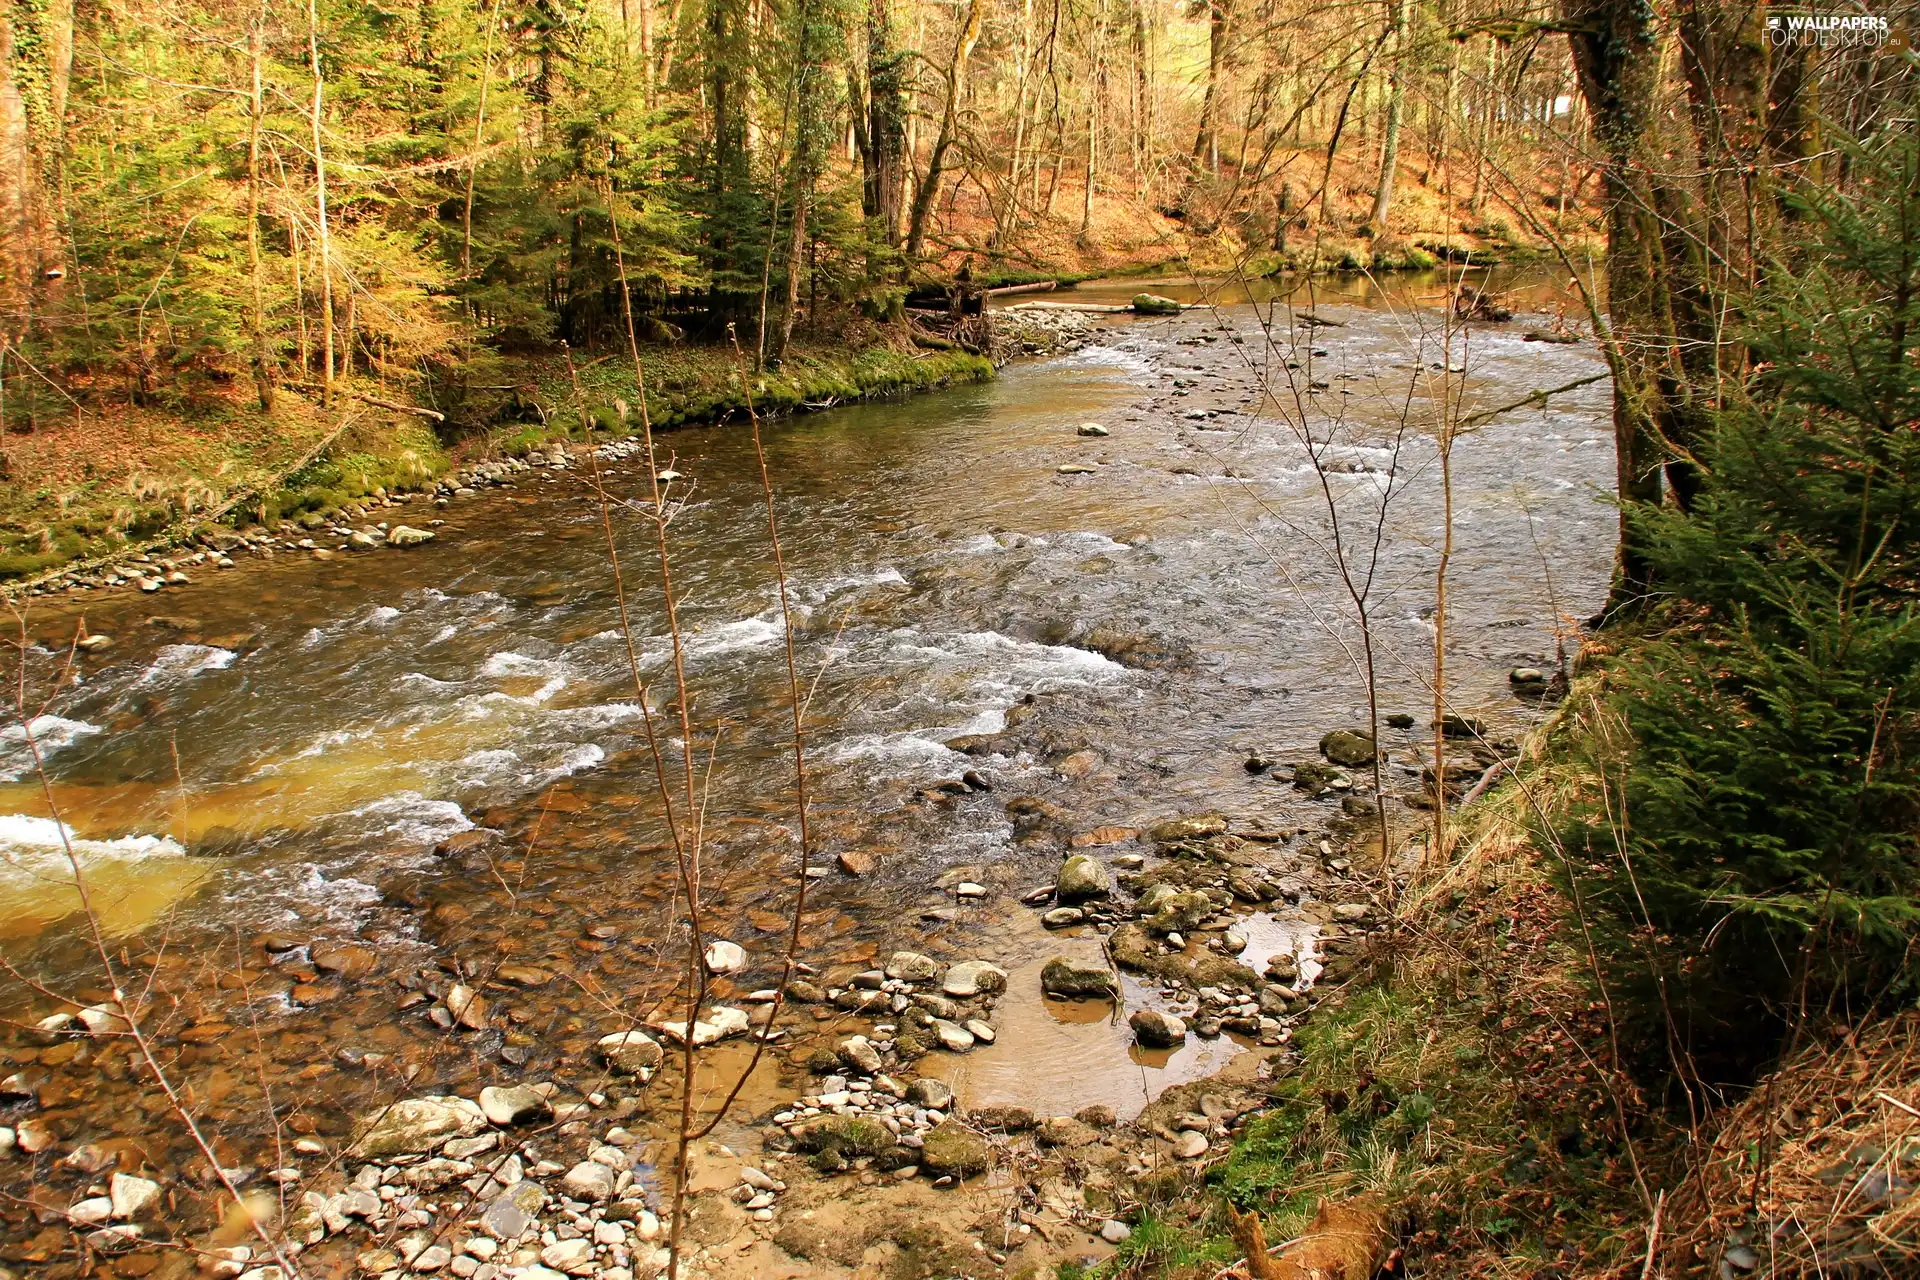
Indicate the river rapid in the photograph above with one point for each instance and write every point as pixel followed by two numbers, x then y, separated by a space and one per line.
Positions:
pixel 270 757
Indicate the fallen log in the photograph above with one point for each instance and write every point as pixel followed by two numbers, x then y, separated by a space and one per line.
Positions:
pixel 1009 290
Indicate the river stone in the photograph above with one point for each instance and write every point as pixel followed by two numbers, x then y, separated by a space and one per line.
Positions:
pixel 514 1104
pixel 971 977
pixel 1065 1131
pixel 981 1031
pixel 467 1006
pixel 523 975
pixel 416 1126
pixel 590 1180
pixel 1114 1231
pixel 725 957
pixel 950 1151
pixel 911 966
pixel 1190 1145
pixel 630 1051
pixel 404 535
pixel 928 1092
pixel 1082 878
pixel 1180 911
pixel 1157 1030
pixel 1093 429
pixel 132 1196
pixel 858 1051
pixel 1284 969
pixel 1345 747
pixel 954 1038
pixel 345 959
pixel 1076 979
pixel 1200 826
pixel 720 1023
pixel 575 1257
pixel 1063 917
pixel 1152 304
pixel 90 1212
pixel 856 863
pixel 511 1213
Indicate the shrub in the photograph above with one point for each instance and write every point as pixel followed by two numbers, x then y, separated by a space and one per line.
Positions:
pixel 1755 852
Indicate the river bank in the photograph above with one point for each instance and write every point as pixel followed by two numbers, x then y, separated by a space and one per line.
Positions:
pixel 201 474
pixel 386 819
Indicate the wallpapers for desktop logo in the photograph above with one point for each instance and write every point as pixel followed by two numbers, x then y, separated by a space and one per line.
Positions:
pixel 1797 27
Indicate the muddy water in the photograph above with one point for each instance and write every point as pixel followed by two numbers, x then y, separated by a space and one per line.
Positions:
pixel 280 748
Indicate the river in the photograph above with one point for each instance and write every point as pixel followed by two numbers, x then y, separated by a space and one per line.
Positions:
pixel 278 749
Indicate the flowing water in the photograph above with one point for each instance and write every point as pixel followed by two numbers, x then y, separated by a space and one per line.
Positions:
pixel 284 745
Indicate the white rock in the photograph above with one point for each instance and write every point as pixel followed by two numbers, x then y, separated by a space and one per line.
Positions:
pixel 953 1037
pixel 725 957
pixel 91 1212
pixel 132 1196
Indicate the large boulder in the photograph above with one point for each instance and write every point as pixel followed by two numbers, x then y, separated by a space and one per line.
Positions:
pixel 1152 304
pixel 1082 878
pixel 1077 979
pixel 415 1127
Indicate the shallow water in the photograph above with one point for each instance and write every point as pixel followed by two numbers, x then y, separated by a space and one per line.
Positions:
pixel 319 726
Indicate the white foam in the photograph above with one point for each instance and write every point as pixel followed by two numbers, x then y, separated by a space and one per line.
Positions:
pixel 1108 358
pixel 747 633
pixel 895 753
pixel 51 733
pixel 36 846
pixel 508 663
pixel 382 615
pixel 408 815
pixel 184 661
pixel 597 715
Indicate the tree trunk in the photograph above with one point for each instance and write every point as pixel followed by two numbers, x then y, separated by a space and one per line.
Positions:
pixel 1616 54
pixel 929 187
pixel 263 370
pixel 36 62
pixel 884 170
pixel 320 206
pixel 1397 18
pixel 1219 32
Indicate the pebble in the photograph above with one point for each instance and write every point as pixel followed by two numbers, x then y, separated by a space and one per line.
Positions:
pixel 1114 1231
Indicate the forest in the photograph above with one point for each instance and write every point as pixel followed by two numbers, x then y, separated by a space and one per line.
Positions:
pixel 285 197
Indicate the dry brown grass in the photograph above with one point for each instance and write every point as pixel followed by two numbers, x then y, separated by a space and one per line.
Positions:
pixel 1814 1171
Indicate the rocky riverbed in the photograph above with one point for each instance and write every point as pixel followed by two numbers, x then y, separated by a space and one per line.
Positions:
pixel 378 847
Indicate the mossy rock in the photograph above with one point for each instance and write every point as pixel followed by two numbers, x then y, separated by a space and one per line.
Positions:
pixel 1152 304
pixel 848 1135
pixel 952 1151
